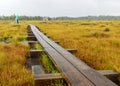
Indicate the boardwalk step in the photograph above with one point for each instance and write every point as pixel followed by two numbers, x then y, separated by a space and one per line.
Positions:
pixel 47 76
pixel 31 42
pixel 37 42
pixel 110 74
pixel 42 51
pixel 72 50
pixel 29 31
pixel 35 53
pixel 30 34
pixel 31 38
pixel 45 33
pixel 57 42
pixel 46 79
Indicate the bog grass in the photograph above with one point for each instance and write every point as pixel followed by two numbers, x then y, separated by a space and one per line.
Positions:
pixel 97 42
pixel 13 55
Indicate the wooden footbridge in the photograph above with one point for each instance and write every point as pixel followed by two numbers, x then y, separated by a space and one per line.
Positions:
pixel 74 71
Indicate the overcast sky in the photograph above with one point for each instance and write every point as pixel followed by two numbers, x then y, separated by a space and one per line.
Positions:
pixel 54 8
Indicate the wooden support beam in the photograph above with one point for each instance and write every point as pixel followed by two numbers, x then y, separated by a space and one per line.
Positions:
pixel 72 50
pixel 46 79
pixel 48 76
pixel 35 53
pixel 57 42
pixel 40 51
pixel 48 36
pixel 44 33
pixel 32 42
pixel 29 31
pixel 31 38
pixel 110 74
pixel 30 34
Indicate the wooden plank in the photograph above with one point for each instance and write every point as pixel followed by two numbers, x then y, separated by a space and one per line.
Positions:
pixel 57 42
pixel 42 51
pixel 31 38
pixel 35 53
pixel 71 75
pixel 30 34
pixel 29 31
pixel 32 42
pixel 44 33
pixel 88 72
pixel 110 74
pixel 48 76
pixel 48 36
pixel 46 79
pixel 71 50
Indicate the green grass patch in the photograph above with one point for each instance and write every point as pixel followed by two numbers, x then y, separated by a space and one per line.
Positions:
pixel 50 68
pixel 48 64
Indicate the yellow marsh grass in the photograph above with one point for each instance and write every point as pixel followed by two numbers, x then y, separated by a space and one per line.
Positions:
pixel 97 42
pixel 13 56
pixel 12 65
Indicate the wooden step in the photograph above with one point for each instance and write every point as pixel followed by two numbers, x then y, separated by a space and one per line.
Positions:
pixel 43 51
pixel 110 74
pixel 30 34
pixel 47 76
pixel 46 79
pixel 57 42
pixel 32 42
pixel 44 33
pixel 31 38
pixel 35 53
pixel 72 50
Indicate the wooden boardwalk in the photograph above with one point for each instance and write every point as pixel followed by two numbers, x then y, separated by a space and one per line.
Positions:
pixel 73 70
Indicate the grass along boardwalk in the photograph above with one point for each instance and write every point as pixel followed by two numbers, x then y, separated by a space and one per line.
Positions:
pixel 74 71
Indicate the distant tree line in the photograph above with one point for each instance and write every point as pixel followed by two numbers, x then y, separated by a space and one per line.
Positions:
pixel 89 18
pixel 12 17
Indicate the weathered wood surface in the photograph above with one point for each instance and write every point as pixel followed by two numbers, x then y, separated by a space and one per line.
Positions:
pixel 76 72
pixel 57 42
pixel 110 74
pixel 46 79
pixel 31 42
pixel 48 76
pixel 72 50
